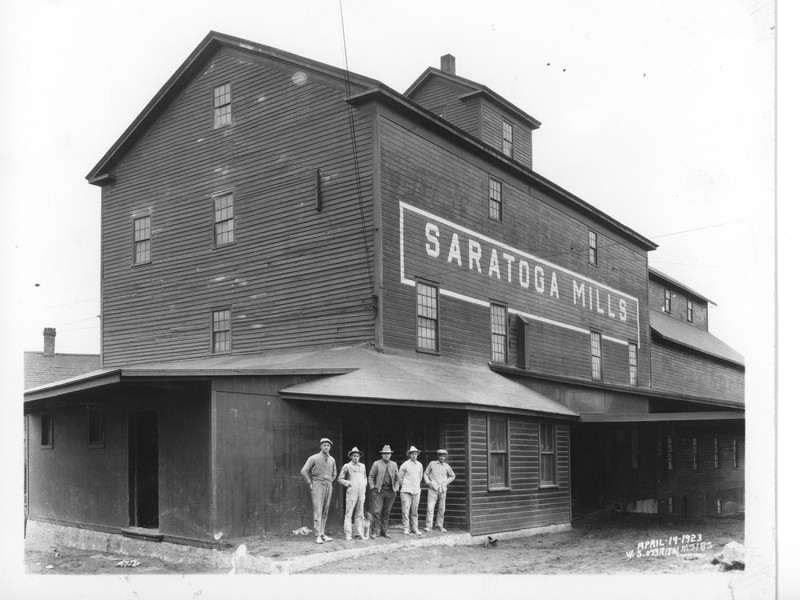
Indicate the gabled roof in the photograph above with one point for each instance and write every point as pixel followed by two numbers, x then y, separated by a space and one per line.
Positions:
pixel 196 61
pixel 676 331
pixel 477 90
pixel 41 369
pixel 366 90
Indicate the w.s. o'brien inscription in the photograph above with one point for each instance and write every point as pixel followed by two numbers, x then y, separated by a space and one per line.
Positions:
pixel 473 267
pixel 670 546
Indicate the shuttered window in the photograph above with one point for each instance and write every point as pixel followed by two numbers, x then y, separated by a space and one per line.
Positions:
pixel 141 240
pixel 547 454
pixel 221 331
pixel 222 105
pixel 223 220
pixel 46 423
pixel 498 453
pixel 427 317
pixel 499 318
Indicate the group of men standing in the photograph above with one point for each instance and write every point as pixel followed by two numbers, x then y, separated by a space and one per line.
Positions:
pixel 385 481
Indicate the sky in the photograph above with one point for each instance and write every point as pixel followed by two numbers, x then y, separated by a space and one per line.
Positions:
pixel 659 113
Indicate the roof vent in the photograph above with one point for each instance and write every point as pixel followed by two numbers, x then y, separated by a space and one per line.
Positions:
pixel 449 64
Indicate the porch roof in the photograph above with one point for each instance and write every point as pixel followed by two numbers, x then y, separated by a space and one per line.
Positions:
pixel 347 374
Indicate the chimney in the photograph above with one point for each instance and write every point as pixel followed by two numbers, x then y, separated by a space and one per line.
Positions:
pixel 449 64
pixel 49 341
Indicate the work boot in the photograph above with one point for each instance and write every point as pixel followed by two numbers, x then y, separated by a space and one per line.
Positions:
pixel 319 539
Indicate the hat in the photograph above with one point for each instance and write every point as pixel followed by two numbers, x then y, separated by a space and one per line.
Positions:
pixel 412 449
pixel 441 451
pixel 355 450
pixel 323 440
pixel 386 449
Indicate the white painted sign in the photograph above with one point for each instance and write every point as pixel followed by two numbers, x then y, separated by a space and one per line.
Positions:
pixel 473 268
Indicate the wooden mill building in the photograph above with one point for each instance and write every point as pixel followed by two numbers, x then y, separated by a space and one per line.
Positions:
pixel 290 251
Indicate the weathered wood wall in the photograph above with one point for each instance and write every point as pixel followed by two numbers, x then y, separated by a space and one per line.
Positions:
pixel 294 276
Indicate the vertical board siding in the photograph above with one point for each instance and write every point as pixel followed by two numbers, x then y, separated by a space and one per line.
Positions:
pixel 525 504
pixel 293 276
pixel 441 179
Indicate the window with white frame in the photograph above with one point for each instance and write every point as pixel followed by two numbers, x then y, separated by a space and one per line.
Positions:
pixel 690 311
pixel 427 317
pixel 667 301
pixel 221 330
pixel 222 105
pixel 495 199
pixel 499 318
pixel 597 357
pixel 547 454
pixel 498 453
pixel 141 240
pixel 633 364
pixel 223 220
pixel 592 248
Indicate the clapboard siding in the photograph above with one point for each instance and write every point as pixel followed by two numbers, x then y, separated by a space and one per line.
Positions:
pixel 675 370
pixel 679 308
pixel 442 95
pixel 525 504
pixel 293 276
pixel 492 132
pixel 440 179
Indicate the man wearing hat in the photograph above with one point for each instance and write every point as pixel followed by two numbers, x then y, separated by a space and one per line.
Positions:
pixel 354 478
pixel 410 477
pixel 319 473
pixel 383 487
pixel 438 476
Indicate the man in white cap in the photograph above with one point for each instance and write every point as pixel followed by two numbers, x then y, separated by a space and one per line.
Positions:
pixel 383 490
pixel 438 476
pixel 354 478
pixel 319 473
pixel 410 477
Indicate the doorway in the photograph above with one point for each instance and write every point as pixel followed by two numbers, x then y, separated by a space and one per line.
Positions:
pixel 143 469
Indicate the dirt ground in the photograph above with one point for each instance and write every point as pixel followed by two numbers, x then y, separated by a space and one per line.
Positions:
pixel 599 544
pixel 595 545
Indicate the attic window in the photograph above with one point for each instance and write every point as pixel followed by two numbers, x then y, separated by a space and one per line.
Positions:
pixel 508 139
pixel 222 105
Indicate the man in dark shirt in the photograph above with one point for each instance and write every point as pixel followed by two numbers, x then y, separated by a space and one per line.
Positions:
pixel 383 486
pixel 319 473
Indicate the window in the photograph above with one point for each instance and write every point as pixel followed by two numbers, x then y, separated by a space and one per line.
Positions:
pixel 141 240
pixel 427 317
pixel 633 364
pixel 671 504
pixel 592 248
pixel 695 455
pixel 597 358
pixel 667 301
pixel 689 311
pixel 223 220
pixel 634 448
pixel 508 139
pixel 97 428
pixel 498 453
pixel 670 455
pixel 499 315
pixel 716 453
pixel 221 331
pixel 735 455
pixel 46 423
pixel 222 105
pixel 495 200
pixel 547 454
